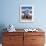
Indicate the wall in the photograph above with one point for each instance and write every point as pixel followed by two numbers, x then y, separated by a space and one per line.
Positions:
pixel 9 13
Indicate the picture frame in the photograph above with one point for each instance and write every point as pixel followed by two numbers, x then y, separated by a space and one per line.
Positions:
pixel 26 13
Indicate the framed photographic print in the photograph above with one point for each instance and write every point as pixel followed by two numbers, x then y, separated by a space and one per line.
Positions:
pixel 26 13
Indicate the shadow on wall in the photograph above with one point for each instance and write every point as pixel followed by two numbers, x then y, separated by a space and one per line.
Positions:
pixel 2 26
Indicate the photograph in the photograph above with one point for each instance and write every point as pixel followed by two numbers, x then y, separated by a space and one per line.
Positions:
pixel 26 13
pixel 22 22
